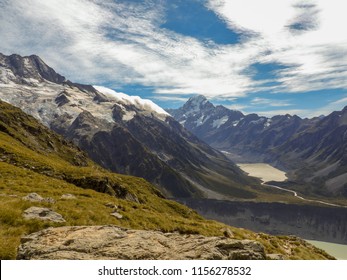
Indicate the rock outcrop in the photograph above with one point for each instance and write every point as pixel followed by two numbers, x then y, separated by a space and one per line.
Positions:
pixel 43 214
pixel 34 197
pixel 111 242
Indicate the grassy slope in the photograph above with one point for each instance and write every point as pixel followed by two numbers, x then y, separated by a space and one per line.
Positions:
pixel 34 159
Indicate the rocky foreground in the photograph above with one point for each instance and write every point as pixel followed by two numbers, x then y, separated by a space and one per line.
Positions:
pixel 111 242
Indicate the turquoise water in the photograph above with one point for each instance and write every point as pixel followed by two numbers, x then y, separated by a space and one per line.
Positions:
pixel 338 251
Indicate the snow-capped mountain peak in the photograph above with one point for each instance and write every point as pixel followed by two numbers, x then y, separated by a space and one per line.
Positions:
pixel 27 70
pixel 200 114
pixel 197 103
pixel 198 99
pixel 28 82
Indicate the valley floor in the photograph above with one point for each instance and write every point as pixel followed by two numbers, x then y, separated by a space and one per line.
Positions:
pixel 268 173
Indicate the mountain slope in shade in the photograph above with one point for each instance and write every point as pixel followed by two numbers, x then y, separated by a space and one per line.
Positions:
pixel 318 155
pixel 313 151
pixel 124 134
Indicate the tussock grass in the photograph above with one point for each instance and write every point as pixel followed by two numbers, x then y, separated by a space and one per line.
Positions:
pixel 89 209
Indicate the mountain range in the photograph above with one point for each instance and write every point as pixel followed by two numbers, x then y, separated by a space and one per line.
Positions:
pixel 122 133
pixel 42 171
pixel 35 162
pixel 186 152
pixel 313 151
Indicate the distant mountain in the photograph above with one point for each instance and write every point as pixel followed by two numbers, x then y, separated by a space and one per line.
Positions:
pixel 122 133
pixel 246 137
pixel 313 151
pixel 202 118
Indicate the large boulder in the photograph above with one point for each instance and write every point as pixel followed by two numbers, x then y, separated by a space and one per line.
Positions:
pixel 43 214
pixel 111 242
pixel 34 197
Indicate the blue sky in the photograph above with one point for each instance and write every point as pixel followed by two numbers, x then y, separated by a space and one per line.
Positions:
pixel 268 57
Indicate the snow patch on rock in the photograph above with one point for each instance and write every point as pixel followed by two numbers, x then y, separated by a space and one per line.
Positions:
pixel 219 122
pixel 202 120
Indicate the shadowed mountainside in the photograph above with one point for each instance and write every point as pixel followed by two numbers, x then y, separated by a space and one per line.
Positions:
pixel 312 151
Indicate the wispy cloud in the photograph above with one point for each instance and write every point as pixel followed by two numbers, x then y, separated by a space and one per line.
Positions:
pixel 339 102
pixel 269 102
pixel 122 42
pixel 237 107
pixel 306 35
pixel 272 113
pixel 307 113
pixel 327 109
pixel 104 41
pixel 171 98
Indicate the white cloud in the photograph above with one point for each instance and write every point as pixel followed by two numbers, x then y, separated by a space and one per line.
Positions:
pixel 267 17
pixel 317 53
pixel 171 98
pixel 138 102
pixel 269 102
pixel 308 113
pixel 117 42
pixel 121 43
pixel 237 107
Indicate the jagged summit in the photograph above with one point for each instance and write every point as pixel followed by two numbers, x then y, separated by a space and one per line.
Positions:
pixel 197 98
pixel 28 70
pixel 200 116
pixel 197 103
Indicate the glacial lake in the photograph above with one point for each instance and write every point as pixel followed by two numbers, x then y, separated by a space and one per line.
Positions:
pixel 263 171
pixel 338 251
